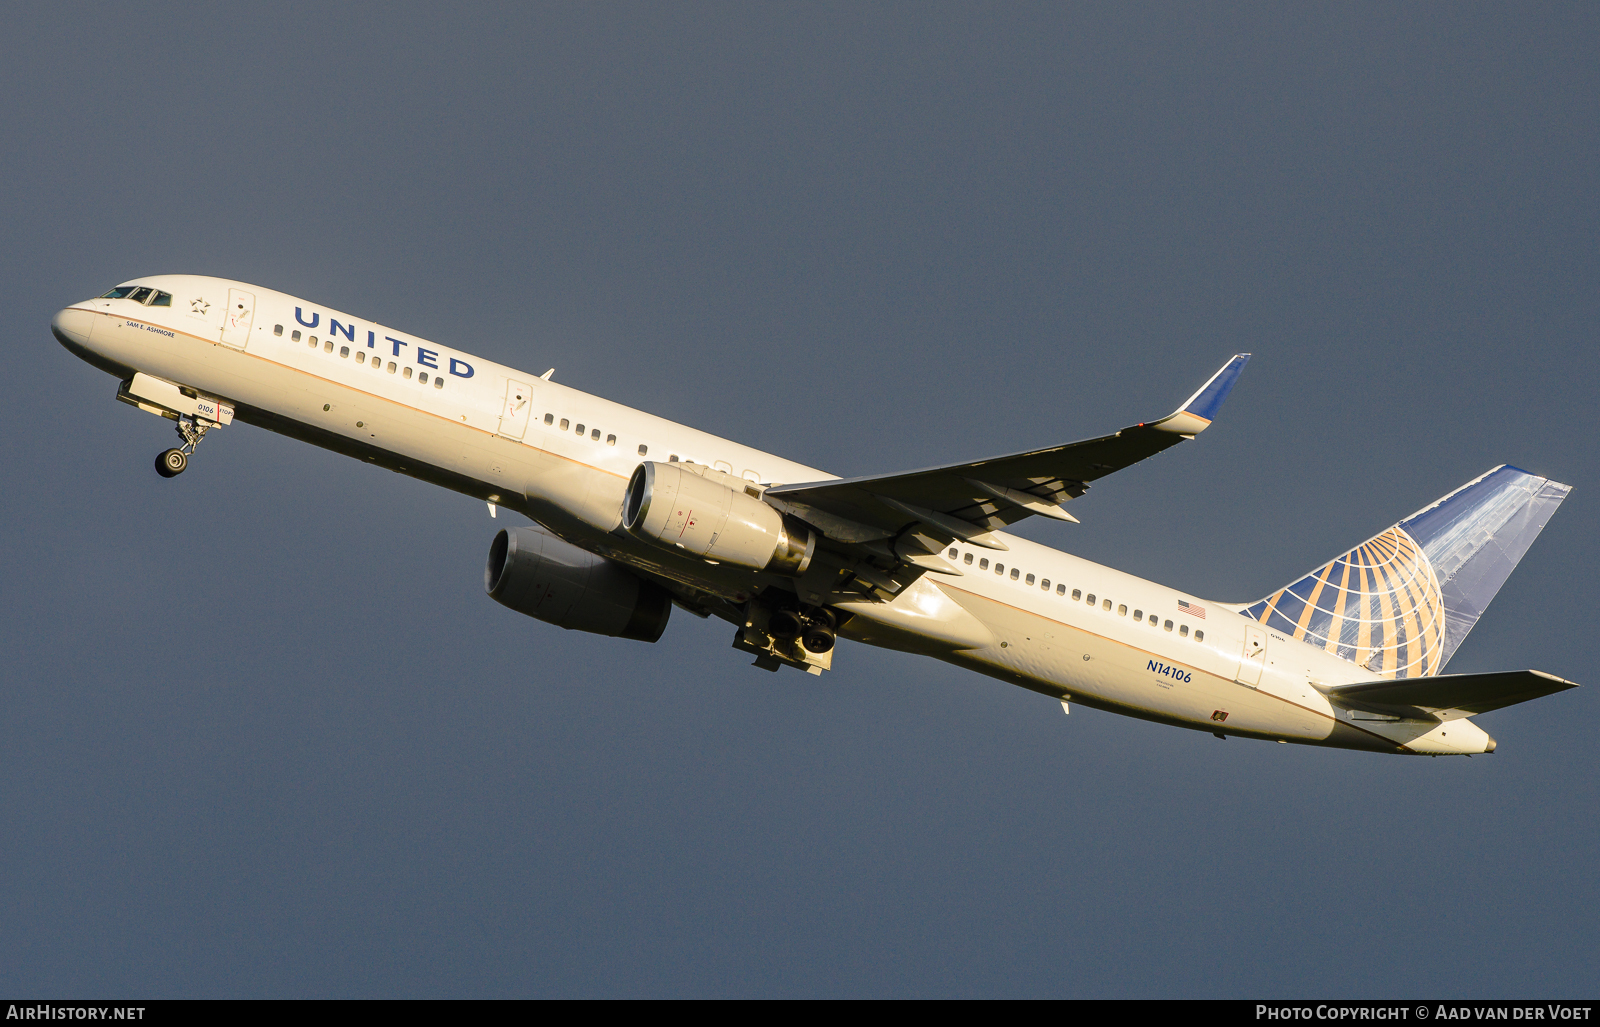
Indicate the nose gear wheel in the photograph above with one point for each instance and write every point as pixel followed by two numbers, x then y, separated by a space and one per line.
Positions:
pixel 171 463
pixel 191 430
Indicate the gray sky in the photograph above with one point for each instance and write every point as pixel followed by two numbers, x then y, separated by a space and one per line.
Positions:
pixel 268 737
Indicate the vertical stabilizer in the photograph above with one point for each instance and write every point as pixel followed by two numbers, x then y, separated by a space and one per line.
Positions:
pixel 1401 603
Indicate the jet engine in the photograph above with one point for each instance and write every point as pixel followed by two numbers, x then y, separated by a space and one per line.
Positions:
pixel 535 573
pixel 715 516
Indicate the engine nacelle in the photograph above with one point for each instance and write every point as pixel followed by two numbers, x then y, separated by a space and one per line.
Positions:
pixel 708 514
pixel 535 573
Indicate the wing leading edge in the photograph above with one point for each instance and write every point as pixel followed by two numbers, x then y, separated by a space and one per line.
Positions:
pixel 968 500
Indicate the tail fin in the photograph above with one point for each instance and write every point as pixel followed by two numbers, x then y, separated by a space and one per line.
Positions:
pixel 1401 603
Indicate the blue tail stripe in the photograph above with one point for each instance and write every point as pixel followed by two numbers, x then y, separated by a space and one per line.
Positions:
pixel 1475 536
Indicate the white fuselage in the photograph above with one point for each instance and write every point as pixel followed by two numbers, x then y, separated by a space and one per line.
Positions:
pixel 513 439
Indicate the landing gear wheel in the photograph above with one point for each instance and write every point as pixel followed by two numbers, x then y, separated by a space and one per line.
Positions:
pixel 171 463
pixel 817 639
pixel 786 625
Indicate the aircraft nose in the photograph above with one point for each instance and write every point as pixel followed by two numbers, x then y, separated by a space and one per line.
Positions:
pixel 71 327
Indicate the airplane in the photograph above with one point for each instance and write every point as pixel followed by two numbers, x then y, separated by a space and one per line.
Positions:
pixel 633 514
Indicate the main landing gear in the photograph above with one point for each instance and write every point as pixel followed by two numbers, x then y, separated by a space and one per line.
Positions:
pixel 802 637
pixel 172 462
pixel 815 630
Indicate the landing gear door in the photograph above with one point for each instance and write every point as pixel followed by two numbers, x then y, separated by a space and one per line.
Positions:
pixel 1254 657
pixel 514 415
pixel 240 315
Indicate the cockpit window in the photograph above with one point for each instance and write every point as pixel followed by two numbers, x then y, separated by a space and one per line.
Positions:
pixel 140 293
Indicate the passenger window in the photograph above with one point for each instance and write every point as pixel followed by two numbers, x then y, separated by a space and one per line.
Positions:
pixel 163 299
pixel 611 440
pixel 295 335
pixel 1045 584
pixel 1199 636
pixel 1061 590
pixel 1183 630
pixel 327 347
pixel 344 352
pixel 953 553
pixel 1106 605
pixel 1138 615
pixel 549 418
pixel 1169 625
pixel 1030 579
pixel 967 558
pixel 361 357
pixel 438 381
pixel 594 435
pixel 1091 598
pixel 1122 611
pixel 999 568
pixel 565 424
pixel 422 376
pixel 392 366
pixel 983 564
pixel 1077 594
pixel 277 329
pixel 408 370
pixel 580 429
pixel 1015 574
pixel 377 363
pixel 644 450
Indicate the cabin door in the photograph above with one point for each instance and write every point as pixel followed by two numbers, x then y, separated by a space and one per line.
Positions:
pixel 514 415
pixel 1254 657
pixel 238 318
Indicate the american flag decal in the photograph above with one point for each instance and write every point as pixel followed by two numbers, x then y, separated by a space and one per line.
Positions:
pixel 1198 612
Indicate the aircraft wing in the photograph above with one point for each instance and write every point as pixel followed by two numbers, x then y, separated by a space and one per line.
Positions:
pixel 968 500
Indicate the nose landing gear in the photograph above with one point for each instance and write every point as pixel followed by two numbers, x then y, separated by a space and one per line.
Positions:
pixel 172 462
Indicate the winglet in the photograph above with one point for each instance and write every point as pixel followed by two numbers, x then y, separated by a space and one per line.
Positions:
pixel 1196 413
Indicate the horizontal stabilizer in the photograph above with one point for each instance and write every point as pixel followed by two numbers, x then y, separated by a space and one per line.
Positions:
pixel 1449 696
